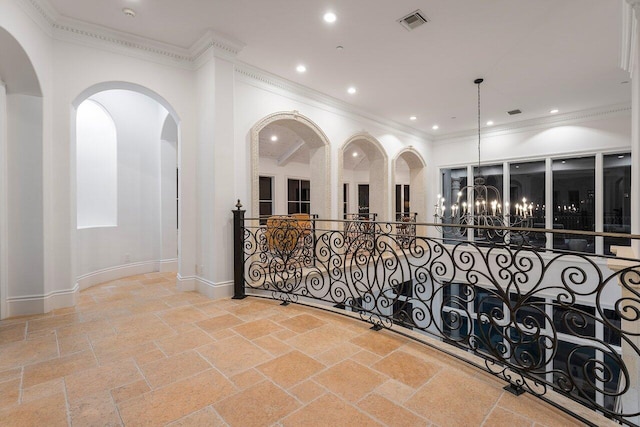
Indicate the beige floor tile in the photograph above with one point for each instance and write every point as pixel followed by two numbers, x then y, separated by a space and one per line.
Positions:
pixel 174 368
pixel 50 411
pixel 57 368
pixel 74 344
pixel 219 322
pixel 22 353
pixel 532 408
pixel 180 315
pixel 42 390
pixel 307 391
pixel 247 379
pixel 129 391
pixel 103 378
pixel 395 391
pixel 9 393
pixel 207 417
pixel 183 342
pixel 319 340
pixel 303 323
pixel 95 410
pixel 338 353
pixel 260 405
pixel 117 348
pixel 173 402
pixel 10 374
pixel 502 418
pixel 381 342
pixel 53 322
pixel 350 380
pixel 244 355
pixel 148 357
pixel 469 405
pixel 366 358
pixel 257 328
pixel 329 411
pixel 389 413
pixel 273 345
pixel 13 332
pixel 290 368
pixel 407 368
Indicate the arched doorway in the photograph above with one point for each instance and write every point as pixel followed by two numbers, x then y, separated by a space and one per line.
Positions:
pixel 21 180
pixel 143 236
pixel 290 164
pixel 363 174
pixel 409 183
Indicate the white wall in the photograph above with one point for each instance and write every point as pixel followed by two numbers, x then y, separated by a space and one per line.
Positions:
pixel 168 194
pixel 136 237
pixel 25 196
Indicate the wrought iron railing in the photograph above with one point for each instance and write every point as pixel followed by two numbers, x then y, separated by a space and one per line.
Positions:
pixel 540 319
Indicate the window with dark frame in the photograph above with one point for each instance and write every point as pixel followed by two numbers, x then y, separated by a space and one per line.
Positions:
pixel 298 196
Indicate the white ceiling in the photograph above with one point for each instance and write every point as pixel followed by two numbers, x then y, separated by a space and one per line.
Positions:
pixel 534 55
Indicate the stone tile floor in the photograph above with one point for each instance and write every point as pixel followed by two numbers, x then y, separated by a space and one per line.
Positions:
pixel 138 352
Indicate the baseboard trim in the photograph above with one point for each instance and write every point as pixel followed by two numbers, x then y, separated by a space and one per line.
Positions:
pixel 213 290
pixel 37 304
pixel 119 271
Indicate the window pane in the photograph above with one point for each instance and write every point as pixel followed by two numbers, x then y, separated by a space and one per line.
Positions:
pixel 305 207
pixel 571 358
pixel 573 202
pixel 398 199
pixel 305 192
pixel 577 320
pixel 363 198
pixel 493 176
pixel 293 192
pixel 407 193
pixel 345 198
pixel 265 188
pixel 266 209
pixel 293 207
pixel 616 196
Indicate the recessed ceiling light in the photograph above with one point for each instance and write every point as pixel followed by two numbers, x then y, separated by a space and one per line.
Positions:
pixel 329 17
pixel 517 166
pixel 621 156
pixel 129 12
pixel 352 90
pixel 355 154
pixel 301 68
pixel 435 127
pixel 413 118
pixel 564 161
pixel 274 138
pixel 490 123
pixel 339 47
pixel 554 111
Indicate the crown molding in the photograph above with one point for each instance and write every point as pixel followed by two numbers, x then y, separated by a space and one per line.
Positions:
pixel 267 80
pixel 542 122
pixel 83 33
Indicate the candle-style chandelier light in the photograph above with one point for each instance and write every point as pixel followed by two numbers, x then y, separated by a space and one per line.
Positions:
pixel 481 204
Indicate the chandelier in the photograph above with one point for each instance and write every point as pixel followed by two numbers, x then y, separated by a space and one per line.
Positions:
pixel 480 204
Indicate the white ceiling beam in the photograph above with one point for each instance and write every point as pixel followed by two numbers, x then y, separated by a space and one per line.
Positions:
pixel 287 155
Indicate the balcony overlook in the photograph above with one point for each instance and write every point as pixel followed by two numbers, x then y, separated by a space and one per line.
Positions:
pixel 138 352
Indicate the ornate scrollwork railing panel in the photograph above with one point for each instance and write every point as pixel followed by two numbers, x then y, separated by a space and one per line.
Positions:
pixel 540 319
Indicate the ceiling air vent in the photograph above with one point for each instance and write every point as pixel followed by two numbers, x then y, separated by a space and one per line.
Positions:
pixel 413 20
pixel 513 112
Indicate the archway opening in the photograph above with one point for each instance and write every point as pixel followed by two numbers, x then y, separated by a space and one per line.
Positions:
pixel 21 180
pixel 410 187
pixel 142 235
pixel 364 179
pixel 290 175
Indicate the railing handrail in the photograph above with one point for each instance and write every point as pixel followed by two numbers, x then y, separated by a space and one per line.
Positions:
pixel 480 227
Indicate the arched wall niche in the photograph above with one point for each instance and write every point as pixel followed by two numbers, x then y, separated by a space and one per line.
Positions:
pixel 160 240
pixel 317 142
pixel 417 181
pixel 378 161
pixel 21 181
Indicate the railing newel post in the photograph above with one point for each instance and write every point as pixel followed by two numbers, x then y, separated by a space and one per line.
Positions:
pixel 238 256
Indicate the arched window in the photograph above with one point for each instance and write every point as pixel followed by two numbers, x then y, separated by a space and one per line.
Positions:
pixel 97 167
